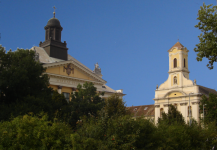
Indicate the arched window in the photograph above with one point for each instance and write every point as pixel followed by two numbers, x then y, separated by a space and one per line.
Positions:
pixel 175 63
pixel 161 112
pixel 175 80
pixel 190 111
pixel 184 62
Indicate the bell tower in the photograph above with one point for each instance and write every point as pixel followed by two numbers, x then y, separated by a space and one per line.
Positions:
pixel 52 44
pixel 178 64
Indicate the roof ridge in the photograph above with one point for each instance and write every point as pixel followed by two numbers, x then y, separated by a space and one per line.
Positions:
pixel 178 45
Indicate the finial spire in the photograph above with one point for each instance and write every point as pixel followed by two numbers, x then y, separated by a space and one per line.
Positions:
pixel 54 11
pixel 178 38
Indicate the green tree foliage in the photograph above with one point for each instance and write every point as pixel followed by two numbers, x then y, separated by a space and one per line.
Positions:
pixel 173 116
pixel 24 86
pixel 179 136
pixel 115 106
pixel 32 132
pixel 85 102
pixel 122 133
pixel 210 105
pixel 21 77
pixel 207 16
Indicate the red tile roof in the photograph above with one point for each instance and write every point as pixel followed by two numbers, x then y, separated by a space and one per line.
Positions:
pixel 143 110
pixel 178 44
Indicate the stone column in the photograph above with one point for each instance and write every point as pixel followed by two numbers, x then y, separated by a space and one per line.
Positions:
pixel 157 113
pixel 195 110
pixel 166 108
pixel 59 89
pixel 184 111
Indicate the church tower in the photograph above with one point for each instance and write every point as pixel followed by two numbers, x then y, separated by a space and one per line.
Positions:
pixel 52 44
pixel 178 64
pixel 177 89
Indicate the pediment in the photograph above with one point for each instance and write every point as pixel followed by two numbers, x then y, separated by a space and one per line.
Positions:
pixel 72 69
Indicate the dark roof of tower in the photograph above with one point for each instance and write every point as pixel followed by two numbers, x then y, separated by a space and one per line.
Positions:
pixel 53 22
pixel 178 45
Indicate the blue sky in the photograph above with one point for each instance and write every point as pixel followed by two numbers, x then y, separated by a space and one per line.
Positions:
pixel 128 38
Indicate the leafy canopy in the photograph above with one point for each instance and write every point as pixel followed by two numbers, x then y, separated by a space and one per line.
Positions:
pixel 115 106
pixel 207 47
pixel 21 76
pixel 172 117
pixel 85 101
pixel 210 104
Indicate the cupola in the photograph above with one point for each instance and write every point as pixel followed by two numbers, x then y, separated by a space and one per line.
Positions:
pixel 52 44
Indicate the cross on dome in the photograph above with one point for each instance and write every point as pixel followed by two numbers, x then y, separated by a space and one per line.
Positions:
pixel 54 11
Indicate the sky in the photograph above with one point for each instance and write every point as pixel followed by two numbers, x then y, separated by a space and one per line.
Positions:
pixel 128 38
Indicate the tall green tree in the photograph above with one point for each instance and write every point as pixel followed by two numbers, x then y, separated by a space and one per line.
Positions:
pixel 24 86
pixel 115 106
pixel 209 104
pixel 86 101
pixel 207 47
pixel 21 76
pixel 172 117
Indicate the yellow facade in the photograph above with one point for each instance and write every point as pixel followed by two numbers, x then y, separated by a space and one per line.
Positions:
pixel 60 71
pixel 174 56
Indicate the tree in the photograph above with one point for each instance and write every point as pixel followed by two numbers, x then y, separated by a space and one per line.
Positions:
pixel 24 86
pixel 34 132
pixel 21 77
pixel 210 105
pixel 85 101
pixel 207 16
pixel 173 116
pixel 115 106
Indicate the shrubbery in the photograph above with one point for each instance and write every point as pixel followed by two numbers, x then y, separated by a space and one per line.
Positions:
pixel 34 132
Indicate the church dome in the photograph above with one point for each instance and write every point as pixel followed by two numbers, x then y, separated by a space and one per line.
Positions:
pixel 53 22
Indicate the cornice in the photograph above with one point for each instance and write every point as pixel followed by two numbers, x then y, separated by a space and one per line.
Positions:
pixel 165 98
pixel 179 70
pixel 183 104
pixel 194 103
pixel 176 87
pixel 72 78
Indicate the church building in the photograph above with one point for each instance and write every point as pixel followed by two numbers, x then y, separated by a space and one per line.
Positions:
pixel 65 71
pixel 178 89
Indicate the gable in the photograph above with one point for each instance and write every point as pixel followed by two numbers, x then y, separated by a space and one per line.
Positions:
pixel 72 72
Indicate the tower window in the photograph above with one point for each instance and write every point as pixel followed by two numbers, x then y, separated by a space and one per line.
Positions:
pixel 184 62
pixel 175 80
pixel 175 62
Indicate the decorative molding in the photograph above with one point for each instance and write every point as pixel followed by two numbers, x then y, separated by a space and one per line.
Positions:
pixel 65 79
pixel 167 105
pixel 156 106
pixel 68 69
pixel 183 104
pixel 194 103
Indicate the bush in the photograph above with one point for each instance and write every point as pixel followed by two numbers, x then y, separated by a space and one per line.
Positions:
pixel 34 132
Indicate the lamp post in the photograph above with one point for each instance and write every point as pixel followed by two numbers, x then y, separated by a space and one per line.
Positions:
pixel 189 109
pixel 203 112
